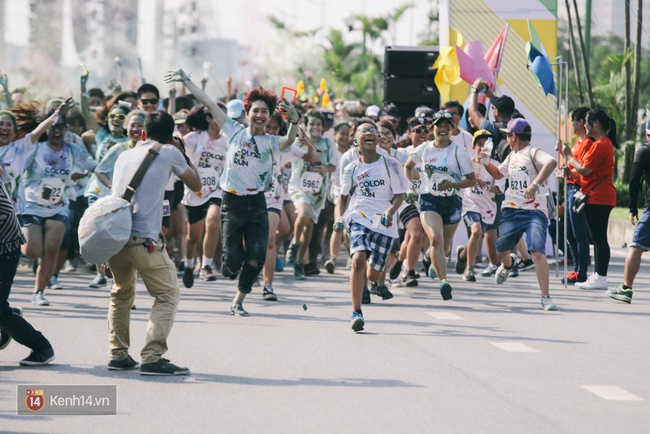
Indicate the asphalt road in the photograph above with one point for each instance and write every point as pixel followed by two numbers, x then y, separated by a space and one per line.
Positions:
pixel 488 361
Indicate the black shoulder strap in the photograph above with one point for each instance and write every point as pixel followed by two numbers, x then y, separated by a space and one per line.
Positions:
pixel 139 174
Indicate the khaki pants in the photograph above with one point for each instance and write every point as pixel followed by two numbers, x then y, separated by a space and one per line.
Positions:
pixel 159 276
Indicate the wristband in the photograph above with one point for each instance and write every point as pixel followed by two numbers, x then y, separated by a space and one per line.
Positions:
pixel 537 184
pixel 474 90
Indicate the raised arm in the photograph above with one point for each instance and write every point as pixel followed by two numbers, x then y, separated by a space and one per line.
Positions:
pixel 179 75
pixel 91 122
pixel 288 108
pixel 47 123
pixel 4 81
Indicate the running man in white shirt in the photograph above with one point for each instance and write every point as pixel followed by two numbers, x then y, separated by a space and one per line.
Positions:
pixel 525 206
pixel 372 190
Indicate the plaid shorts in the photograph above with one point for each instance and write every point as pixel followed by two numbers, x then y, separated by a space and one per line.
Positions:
pixel 365 239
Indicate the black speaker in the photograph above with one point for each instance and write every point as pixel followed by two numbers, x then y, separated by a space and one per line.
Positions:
pixel 415 90
pixel 410 61
pixel 408 76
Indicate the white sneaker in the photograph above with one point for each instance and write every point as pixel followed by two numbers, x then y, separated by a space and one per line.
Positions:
pixel 39 300
pixel 594 282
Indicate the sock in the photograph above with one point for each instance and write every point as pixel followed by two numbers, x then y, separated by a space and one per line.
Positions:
pixel 189 263
pixel 207 261
pixel 443 281
pixel 239 298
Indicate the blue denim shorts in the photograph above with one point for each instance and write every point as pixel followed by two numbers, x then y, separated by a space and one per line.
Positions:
pixel 31 219
pixel 471 217
pixel 514 222
pixel 641 238
pixel 375 244
pixel 448 207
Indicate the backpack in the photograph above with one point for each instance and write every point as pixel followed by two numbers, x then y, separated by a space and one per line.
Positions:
pixel 105 227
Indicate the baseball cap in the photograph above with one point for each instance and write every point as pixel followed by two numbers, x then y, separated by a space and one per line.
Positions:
pixel 416 122
pixel 373 111
pixel 181 117
pixel 235 108
pixel 480 134
pixel 504 104
pixel 647 127
pixel 443 116
pixel 329 117
pixel 517 126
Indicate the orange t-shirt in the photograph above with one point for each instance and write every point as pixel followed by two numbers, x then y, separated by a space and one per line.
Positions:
pixel 579 149
pixel 599 158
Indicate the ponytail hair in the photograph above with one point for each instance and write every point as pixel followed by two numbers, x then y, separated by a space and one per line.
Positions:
pixel 608 124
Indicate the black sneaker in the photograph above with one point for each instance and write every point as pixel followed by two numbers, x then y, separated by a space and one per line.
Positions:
pixel 365 298
pixel 525 265
pixel 162 367
pixel 426 261
pixel 123 365
pixel 384 292
pixel 268 294
pixel 38 358
pixel 311 269
pixel 292 252
pixel 410 280
pixel 395 270
pixel 5 338
pixel 461 264
pixel 374 289
pixel 188 277
pixel 238 310
pixel 206 274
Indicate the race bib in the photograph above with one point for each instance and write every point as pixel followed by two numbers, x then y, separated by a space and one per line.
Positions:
pixel 417 184
pixel 518 182
pixel 311 182
pixel 209 179
pixel 435 180
pixel 167 209
pixel 50 191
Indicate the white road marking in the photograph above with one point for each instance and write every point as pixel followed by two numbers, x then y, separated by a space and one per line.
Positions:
pixel 397 291
pixel 612 393
pixel 445 315
pixel 514 347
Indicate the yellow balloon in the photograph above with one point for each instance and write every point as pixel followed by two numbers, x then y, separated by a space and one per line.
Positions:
pixel 323 84
pixel 300 87
pixel 326 100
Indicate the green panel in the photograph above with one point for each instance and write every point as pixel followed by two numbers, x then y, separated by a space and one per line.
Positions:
pixel 551 5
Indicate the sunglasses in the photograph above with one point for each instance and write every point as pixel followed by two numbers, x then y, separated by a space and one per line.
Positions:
pixel 152 101
pixel 118 116
pixel 58 127
pixel 367 130
pixel 442 114
pixel 421 130
pixel 386 133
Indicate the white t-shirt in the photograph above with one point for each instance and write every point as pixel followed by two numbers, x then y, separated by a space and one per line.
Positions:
pixel 276 192
pixel 418 185
pixel 481 200
pixel 208 156
pixel 106 165
pixel 249 160
pixel 13 158
pixel 306 180
pixel 47 177
pixel 521 172
pixel 371 188
pixel 450 163
pixel 464 139
pixel 335 187
pixel 353 154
